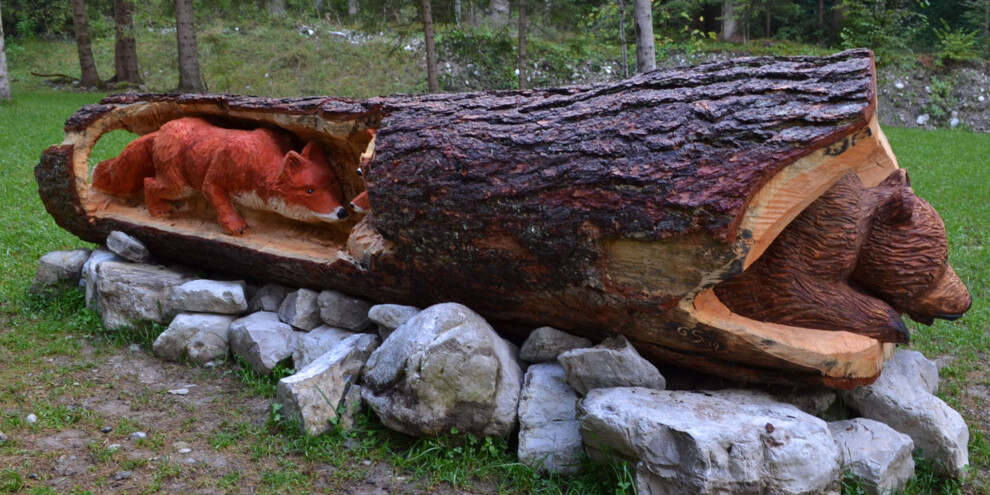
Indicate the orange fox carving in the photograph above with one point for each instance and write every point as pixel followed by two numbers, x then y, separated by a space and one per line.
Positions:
pixel 256 169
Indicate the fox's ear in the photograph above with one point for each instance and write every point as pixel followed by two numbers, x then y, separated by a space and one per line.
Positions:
pixel 291 163
pixel 898 208
pixel 312 151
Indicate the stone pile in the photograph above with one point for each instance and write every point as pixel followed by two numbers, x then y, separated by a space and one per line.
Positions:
pixel 429 372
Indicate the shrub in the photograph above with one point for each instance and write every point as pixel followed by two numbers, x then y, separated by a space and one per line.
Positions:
pixel 955 45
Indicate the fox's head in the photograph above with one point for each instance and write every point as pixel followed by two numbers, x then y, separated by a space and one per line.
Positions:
pixel 309 190
pixel 904 258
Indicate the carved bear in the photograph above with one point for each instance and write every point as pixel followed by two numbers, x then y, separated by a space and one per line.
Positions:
pixel 855 259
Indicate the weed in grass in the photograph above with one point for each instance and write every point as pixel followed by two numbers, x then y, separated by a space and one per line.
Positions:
pixel 10 481
pixel 263 385
pixel 101 453
pixel 230 482
pixel 282 479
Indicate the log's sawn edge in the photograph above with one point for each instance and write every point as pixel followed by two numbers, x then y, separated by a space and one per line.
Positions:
pixel 460 186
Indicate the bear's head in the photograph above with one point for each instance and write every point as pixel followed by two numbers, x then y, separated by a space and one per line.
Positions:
pixel 904 257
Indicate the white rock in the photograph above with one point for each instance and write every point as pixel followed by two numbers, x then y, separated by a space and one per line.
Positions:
pixel 613 363
pixel 179 391
pixel 954 122
pixel 59 269
pixel 300 310
pixel 702 443
pixel 31 419
pixel 981 99
pixel 901 398
pixel 922 119
pixel 262 340
pixel 899 85
pixel 200 337
pixel 875 453
pixel 340 310
pixel 549 434
pixel 313 395
pixel 316 343
pixel 98 256
pixel 130 292
pixel 211 296
pixel 268 298
pixel 388 317
pixel 127 247
pixel 546 343
pixel 445 368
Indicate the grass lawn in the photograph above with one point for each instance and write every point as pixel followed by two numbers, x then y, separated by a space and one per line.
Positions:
pixel 47 345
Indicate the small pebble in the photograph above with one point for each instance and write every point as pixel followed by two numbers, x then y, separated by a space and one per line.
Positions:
pixel 179 391
pixel 31 418
pixel 139 435
pixel 190 461
pixel 114 447
pixel 181 445
pixel 122 475
pixel 134 348
pixel 212 364
pixel 366 462
pixel 33 476
pixel 106 429
pixel 184 451
pixel 3 438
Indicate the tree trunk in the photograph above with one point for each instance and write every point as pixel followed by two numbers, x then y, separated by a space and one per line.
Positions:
pixel 646 54
pixel 521 62
pixel 821 21
pixel 352 8
pixel 458 12
pixel 606 209
pixel 729 22
pixel 622 38
pixel 125 59
pixel 769 9
pixel 276 8
pixel 431 49
pixel 89 78
pixel 498 12
pixel 190 78
pixel 4 78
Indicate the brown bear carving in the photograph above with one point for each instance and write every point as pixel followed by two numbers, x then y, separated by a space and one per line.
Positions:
pixel 855 260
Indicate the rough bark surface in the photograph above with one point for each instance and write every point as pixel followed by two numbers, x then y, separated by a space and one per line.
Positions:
pixel 4 78
pixel 125 59
pixel 513 202
pixel 89 78
pixel 190 78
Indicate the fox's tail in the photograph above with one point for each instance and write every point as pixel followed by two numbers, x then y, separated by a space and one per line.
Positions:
pixel 125 174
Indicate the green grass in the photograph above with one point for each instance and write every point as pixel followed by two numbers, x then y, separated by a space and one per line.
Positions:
pixel 946 168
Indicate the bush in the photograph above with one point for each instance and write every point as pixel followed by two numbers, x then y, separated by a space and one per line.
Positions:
pixel 955 45
pixel 885 26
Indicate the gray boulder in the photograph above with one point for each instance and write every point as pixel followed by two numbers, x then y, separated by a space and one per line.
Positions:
pixel 200 337
pixel 549 434
pixel 444 368
pixel 315 393
pixel 268 298
pixel 300 310
pixel 875 453
pixel 130 292
pixel 702 443
pixel 900 398
pixel 59 269
pixel 89 279
pixel 210 296
pixel 388 317
pixel 613 363
pixel 127 247
pixel 262 340
pixel 546 343
pixel 316 343
pixel 340 310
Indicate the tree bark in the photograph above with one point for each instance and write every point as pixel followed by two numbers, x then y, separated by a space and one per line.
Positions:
pixel 4 78
pixel 768 5
pixel 729 22
pixel 458 12
pixel 646 53
pixel 125 59
pixel 521 61
pixel 89 78
pixel 190 78
pixel 432 80
pixel 276 8
pixel 622 38
pixel 821 21
pixel 599 209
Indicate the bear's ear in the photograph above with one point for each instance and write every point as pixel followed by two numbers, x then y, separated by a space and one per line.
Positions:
pixel 897 178
pixel 312 151
pixel 897 208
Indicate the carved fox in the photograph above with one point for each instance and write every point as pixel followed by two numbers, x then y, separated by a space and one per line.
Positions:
pixel 855 260
pixel 256 169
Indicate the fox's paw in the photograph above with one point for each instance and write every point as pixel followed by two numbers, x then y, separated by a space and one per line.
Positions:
pixel 235 227
pixel 161 212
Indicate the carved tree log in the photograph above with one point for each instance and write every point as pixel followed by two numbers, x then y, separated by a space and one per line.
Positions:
pixel 610 209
